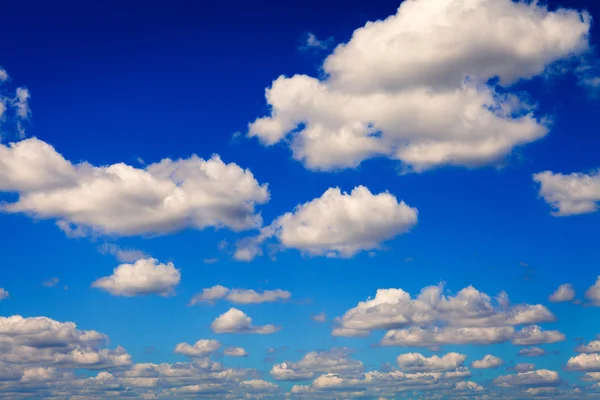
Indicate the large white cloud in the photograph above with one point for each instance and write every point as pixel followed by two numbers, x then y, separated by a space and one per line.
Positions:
pixel 235 321
pixel 414 87
pixel 415 362
pixel 337 224
pixel 564 292
pixel 584 362
pixel 145 276
pixel 432 317
pixel 239 296
pixel 120 199
pixel 314 363
pixel 531 378
pixel 576 193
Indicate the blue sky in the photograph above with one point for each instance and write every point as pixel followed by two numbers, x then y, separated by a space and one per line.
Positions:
pixel 154 195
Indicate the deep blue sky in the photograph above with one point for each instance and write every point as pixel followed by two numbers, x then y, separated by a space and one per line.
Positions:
pixel 114 81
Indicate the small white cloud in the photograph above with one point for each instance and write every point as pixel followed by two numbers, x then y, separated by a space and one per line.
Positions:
pixel 531 378
pixel 51 282
pixel 591 347
pixel 337 361
pixel 531 335
pixel 524 367
pixel 312 42
pixel 321 317
pixel 21 103
pixel 235 321
pixel 572 194
pixel 145 276
pixel 4 294
pixel 239 296
pixel 201 348
pixel 531 352
pixel 235 352
pixel 488 361
pixel 123 255
pixel 3 75
pixel 593 293
pixel 337 224
pixel 564 292
pixel 584 362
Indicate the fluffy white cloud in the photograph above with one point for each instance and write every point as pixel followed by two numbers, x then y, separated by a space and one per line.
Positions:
pixel 336 224
pixel 593 293
pixel 591 347
pixel 531 352
pixel 235 321
pixel 468 317
pixel 564 292
pixel 584 362
pixel 488 361
pixel 524 367
pixel 119 199
pixel 239 296
pixel 235 352
pixel 4 294
pixel 415 362
pixel 201 348
pixel 531 378
pixel 576 193
pixel 145 276
pixel 313 363
pixel 415 86
pixel 531 335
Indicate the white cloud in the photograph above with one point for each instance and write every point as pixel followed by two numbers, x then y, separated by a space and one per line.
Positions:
pixel 314 363
pixel 201 348
pixel 531 352
pixel 145 276
pixel 572 194
pixel 51 282
pixel 470 316
pixel 4 294
pixel 415 362
pixel 119 199
pixel 235 352
pixel 524 367
pixel 321 317
pixel 413 87
pixel 593 293
pixel 239 296
pixel 531 378
pixel 312 42
pixel 564 292
pixel 488 361
pixel 591 347
pixel 531 335
pixel 123 255
pixel 337 224
pixel 235 321
pixel 584 362
pixel 3 75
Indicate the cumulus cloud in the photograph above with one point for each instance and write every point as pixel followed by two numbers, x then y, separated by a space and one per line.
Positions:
pixel 145 276
pixel 3 294
pixel 417 86
pixel 531 378
pixel 564 292
pixel 415 362
pixel 433 318
pixel 584 362
pixel 235 321
pixel 531 352
pixel 593 293
pixel 591 347
pixel 572 194
pixel 235 352
pixel 119 199
pixel 524 367
pixel 314 363
pixel 201 348
pixel 488 361
pixel 337 224
pixel 533 334
pixel 239 296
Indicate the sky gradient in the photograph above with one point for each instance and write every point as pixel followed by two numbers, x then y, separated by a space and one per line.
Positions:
pixel 300 201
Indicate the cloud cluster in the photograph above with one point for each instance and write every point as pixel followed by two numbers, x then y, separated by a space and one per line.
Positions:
pixel 315 363
pixel 235 321
pixel 426 86
pixel 145 276
pixel 119 199
pixel 433 318
pixel 239 296
pixel 337 224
